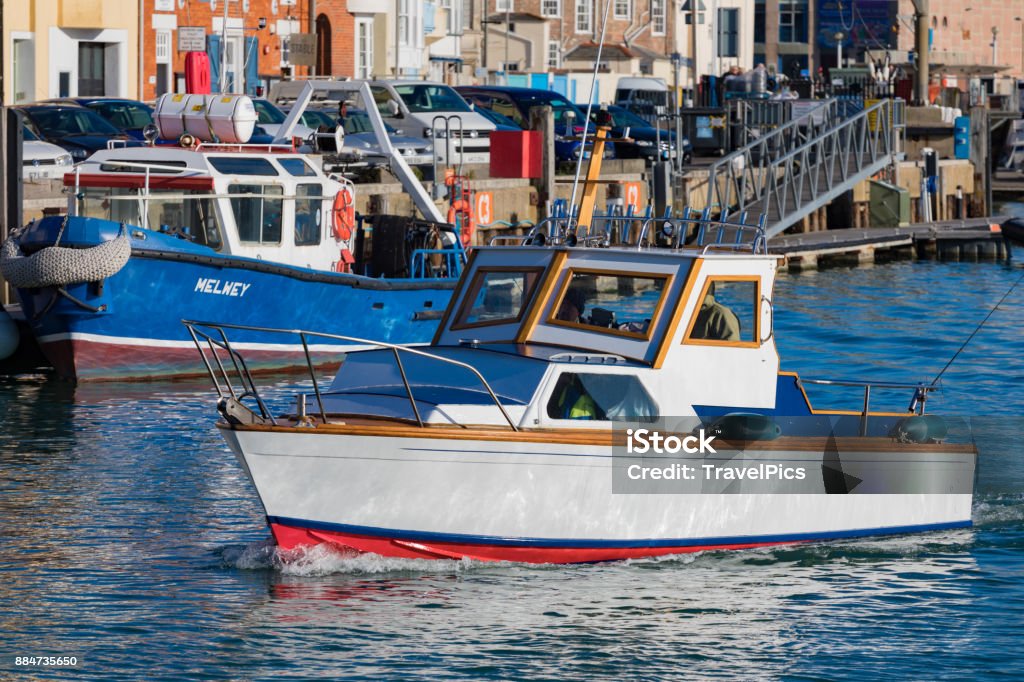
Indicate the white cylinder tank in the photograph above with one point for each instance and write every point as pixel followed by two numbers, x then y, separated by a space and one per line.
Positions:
pixel 230 119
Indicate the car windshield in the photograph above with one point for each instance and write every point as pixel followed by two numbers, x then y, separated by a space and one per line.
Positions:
pixel 27 133
pixel 357 121
pixel 560 107
pixel 124 115
pixel 61 121
pixel 623 118
pixel 496 118
pixel 267 112
pixel 315 119
pixel 424 98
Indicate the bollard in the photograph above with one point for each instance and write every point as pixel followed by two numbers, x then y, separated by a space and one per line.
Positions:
pixel 960 202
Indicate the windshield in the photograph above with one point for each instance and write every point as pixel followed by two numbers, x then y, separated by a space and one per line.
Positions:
pixel 623 118
pixel 124 115
pixel 315 119
pixel 359 122
pixel 28 134
pixel 560 107
pixel 425 98
pixel 267 112
pixel 496 118
pixel 62 121
pixel 189 213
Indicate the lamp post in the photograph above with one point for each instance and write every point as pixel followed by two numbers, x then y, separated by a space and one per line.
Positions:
pixel 995 43
pixel 839 36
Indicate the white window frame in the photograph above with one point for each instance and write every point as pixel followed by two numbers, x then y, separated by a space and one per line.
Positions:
pixel 364 71
pixel 623 9
pixel 583 21
pixel 504 6
pixel 551 8
pixel 162 46
pixel 554 54
pixel 456 23
pixel 658 17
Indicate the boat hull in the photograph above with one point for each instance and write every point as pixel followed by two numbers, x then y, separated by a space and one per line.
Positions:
pixel 129 326
pixel 530 501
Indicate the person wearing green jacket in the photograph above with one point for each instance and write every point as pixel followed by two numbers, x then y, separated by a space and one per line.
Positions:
pixel 715 321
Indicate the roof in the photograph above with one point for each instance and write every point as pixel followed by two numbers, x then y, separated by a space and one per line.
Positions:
pixel 499 17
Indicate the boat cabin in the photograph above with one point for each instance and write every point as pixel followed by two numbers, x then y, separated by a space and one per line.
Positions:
pixel 566 337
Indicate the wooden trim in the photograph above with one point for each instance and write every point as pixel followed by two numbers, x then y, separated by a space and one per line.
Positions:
pixel 711 279
pixel 463 283
pixel 579 326
pixel 677 315
pixel 543 294
pixel 597 437
pixel 478 275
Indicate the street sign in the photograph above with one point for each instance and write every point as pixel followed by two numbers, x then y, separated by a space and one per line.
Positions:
pixel 191 39
pixel 302 49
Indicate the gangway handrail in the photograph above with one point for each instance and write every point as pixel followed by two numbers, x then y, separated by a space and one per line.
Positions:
pixel 304 335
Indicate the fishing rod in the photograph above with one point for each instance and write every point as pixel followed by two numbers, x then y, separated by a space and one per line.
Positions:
pixel 977 329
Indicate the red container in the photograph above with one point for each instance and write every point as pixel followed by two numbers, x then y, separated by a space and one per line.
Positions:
pixel 197 73
pixel 515 154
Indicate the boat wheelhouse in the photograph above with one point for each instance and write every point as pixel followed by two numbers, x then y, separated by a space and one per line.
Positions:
pixel 512 436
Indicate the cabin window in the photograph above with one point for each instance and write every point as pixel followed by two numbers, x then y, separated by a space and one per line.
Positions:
pixel 497 296
pixel 257 210
pixel 727 313
pixel 601 397
pixel 308 214
pixel 297 167
pixel 136 165
pixel 619 303
pixel 190 214
pixel 243 165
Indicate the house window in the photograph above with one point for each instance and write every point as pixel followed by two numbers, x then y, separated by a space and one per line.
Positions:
pixel 551 8
pixel 404 19
pixel 622 9
pixel 503 6
pixel 162 48
pixel 455 20
pixel 793 21
pixel 584 16
pixel 759 21
pixel 364 47
pixel 658 17
pixel 554 54
pixel 467 14
pixel 728 32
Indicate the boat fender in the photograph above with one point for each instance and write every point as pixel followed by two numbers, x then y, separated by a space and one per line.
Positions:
pixel 466 227
pixel 924 428
pixel 344 214
pixel 59 265
pixel 744 426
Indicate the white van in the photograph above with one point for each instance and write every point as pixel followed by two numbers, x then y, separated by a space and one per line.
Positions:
pixel 417 108
pixel 645 97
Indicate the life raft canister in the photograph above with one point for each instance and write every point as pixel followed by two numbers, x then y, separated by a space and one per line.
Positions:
pixel 466 225
pixel 344 214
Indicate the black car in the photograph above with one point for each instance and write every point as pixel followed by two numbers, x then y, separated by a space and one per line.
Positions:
pixel 644 137
pixel 79 130
pixel 128 115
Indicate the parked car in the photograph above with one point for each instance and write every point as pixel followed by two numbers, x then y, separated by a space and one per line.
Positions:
pixel 42 160
pixel 500 121
pixel 643 138
pixel 516 103
pixel 128 115
pixel 269 118
pixel 79 130
pixel 414 107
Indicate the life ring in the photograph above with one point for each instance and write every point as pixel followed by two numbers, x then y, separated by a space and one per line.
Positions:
pixel 344 214
pixel 467 227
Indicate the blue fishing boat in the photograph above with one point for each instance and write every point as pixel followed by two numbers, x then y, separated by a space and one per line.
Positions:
pixel 253 234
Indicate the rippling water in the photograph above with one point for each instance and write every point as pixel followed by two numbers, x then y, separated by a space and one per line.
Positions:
pixel 134 542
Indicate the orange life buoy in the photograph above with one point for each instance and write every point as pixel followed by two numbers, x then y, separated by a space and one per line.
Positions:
pixel 466 227
pixel 344 213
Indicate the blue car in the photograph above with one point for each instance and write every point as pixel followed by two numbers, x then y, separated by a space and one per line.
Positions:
pixel 127 115
pixel 515 103
pixel 500 121
pixel 643 137
pixel 79 130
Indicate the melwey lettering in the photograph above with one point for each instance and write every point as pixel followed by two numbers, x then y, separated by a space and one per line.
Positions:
pixel 215 286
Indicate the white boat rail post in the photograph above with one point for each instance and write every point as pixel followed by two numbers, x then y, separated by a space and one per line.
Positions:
pixel 248 386
pixel 440 188
pixel 312 376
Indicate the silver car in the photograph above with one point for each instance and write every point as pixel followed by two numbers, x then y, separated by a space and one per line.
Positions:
pixel 360 143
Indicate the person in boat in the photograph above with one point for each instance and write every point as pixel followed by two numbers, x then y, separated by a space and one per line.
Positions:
pixel 573 304
pixel 715 321
pixel 574 402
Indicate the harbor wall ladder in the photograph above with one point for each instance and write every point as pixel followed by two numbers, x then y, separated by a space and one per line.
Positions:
pixel 805 164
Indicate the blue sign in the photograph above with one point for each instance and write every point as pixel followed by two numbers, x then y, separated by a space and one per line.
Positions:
pixel 865 24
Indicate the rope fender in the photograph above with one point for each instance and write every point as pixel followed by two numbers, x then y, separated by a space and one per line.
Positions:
pixel 60 266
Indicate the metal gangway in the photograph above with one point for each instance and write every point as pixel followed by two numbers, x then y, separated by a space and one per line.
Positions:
pixel 803 165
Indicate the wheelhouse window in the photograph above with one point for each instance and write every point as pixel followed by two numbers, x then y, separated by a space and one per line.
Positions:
pixel 257 210
pixel 727 314
pixel 601 397
pixel 243 165
pixel 297 167
pixel 308 214
pixel 497 296
pixel 189 214
pixel 619 303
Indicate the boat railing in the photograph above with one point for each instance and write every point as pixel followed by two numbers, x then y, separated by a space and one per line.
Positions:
pixel 451 259
pixel 209 337
pixel 687 230
pixel 917 403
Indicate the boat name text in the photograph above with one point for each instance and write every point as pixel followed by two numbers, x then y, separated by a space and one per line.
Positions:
pixel 215 286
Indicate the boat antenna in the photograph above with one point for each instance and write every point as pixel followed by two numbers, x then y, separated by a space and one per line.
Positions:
pixel 977 329
pixel 590 107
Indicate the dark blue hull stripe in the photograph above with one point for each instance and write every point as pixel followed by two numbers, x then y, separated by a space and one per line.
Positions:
pixel 427 536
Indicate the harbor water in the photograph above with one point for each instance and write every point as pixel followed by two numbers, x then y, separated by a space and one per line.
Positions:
pixel 133 541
